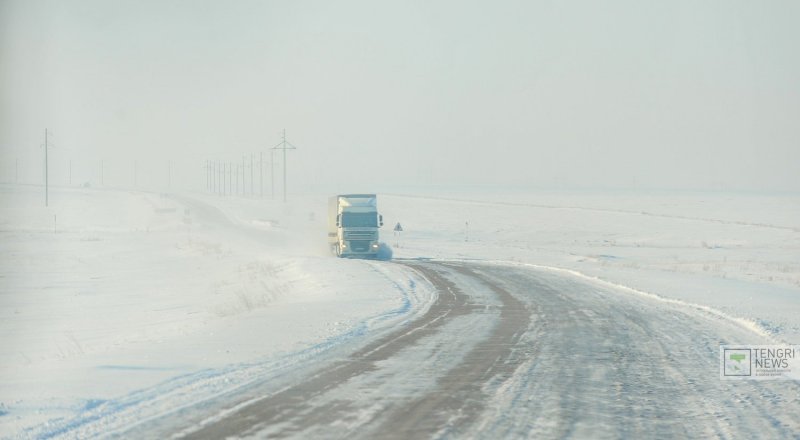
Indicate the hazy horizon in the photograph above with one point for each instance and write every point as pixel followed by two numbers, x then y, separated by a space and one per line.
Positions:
pixel 623 94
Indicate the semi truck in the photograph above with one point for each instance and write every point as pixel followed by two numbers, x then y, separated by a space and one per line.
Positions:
pixel 353 223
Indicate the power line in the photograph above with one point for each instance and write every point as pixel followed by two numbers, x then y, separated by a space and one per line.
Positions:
pixel 284 145
pixel 261 172
pixel 272 172
pixel 47 146
pixel 46 172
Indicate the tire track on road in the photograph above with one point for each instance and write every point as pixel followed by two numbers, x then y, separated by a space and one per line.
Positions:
pixel 450 408
pixel 293 408
pixel 512 352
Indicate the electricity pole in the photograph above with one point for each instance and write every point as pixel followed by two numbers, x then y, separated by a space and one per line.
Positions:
pixel 261 172
pixel 46 172
pixel 272 171
pixel 283 146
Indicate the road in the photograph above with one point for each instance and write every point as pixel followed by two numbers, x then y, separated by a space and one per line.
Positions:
pixel 510 351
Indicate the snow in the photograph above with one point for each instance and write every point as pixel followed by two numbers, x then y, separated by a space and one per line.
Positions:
pixel 738 254
pixel 128 291
pixel 113 302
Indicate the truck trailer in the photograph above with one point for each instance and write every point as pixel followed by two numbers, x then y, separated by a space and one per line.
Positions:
pixel 353 223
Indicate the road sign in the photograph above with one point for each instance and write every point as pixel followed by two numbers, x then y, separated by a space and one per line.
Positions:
pixel 398 228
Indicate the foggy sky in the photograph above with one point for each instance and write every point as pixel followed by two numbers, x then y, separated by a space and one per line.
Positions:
pixel 616 94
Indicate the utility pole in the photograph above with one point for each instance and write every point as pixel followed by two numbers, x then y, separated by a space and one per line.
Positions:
pixel 272 171
pixel 101 172
pixel 46 172
pixel 135 173
pixel 283 146
pixel 169 174
pixel 252 192
pixel 16 171
pixel 261 172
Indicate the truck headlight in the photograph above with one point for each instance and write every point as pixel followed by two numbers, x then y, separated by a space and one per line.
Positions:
pixel 375 245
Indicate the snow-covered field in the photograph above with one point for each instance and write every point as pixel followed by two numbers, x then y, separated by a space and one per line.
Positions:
pixel 736 253
pixel 111 300
pixel 125 296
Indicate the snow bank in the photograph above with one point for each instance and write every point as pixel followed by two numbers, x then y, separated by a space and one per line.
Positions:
pixel 113 304
pixel 117 307
pixel 736 253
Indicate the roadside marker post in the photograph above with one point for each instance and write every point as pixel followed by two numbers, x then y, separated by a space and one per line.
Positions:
pixel 397 230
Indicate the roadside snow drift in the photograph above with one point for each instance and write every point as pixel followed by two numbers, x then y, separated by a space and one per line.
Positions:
pixel 120 307
pixel 115 305
pixel 736 253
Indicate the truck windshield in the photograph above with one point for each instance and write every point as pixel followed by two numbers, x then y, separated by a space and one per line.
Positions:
pixel 359 219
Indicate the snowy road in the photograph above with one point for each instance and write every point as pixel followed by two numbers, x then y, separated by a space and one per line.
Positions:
pixel 206 317
pixel 511 351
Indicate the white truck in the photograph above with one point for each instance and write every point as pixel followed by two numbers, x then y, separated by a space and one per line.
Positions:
pixel 353 223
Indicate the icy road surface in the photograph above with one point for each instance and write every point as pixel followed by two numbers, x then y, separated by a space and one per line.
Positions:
pixel 512 351
pixel 150 315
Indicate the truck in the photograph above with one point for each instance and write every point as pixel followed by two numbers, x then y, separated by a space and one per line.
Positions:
pixel 353 223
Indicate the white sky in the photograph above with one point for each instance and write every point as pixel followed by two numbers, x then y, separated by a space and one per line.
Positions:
pixel 614 94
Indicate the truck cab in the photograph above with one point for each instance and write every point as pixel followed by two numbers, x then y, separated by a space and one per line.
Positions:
pixel 353 223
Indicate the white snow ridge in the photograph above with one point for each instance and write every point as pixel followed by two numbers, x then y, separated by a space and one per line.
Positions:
pixel 565 314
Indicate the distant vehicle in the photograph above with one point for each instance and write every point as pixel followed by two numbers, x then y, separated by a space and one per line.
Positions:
pixel 353 223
